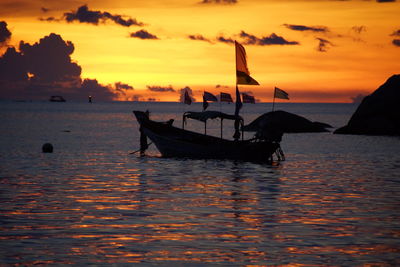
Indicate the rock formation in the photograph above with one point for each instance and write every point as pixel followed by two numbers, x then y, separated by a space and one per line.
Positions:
pixel 286 122
pixel 378 113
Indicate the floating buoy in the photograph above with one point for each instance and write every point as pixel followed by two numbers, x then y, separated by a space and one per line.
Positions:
pixel 47 148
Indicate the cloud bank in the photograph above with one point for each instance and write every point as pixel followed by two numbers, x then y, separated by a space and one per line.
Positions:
pixel 37 71
pixel 272 39
pixel 5 34
pixel 157 88
pixel 143 34
pixel 84 15
pixel 303 28
pixel 198 37
pixel 219 2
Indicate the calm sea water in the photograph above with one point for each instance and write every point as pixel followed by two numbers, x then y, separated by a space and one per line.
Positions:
pixel 334 201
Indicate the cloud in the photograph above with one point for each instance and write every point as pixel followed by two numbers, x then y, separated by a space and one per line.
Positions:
pixel 385 1
pixel 122 86
pixel 49 19
pixel 273 39
pixel 45 68
pixel 198 37
pixel 219 2
pixel 44 10
pixel 83 14
pixel 5 34
pixel 160 88
pixel 359 29
pixel 357 99
pixel 396 42
pixel 323 45
pixel 143 34
pixel 49 59
pixel 182 94
pixel 396 33
pixel 303 28
pixel 93 88
pixel 225 40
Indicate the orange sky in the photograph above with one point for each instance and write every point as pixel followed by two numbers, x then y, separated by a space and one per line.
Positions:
pixel 334 50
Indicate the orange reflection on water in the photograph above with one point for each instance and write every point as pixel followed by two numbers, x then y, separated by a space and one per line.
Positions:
pixel 349 249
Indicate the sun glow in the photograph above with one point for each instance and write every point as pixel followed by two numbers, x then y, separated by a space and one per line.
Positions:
pixel 354 55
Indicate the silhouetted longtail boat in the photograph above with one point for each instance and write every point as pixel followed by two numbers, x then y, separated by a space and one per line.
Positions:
pixel 175 142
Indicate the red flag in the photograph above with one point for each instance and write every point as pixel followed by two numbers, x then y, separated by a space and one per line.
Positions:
pixel 242 72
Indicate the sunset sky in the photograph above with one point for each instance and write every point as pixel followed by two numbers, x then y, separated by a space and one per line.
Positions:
pixel 316 50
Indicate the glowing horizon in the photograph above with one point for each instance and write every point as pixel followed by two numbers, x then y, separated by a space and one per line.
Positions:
pixel 332 50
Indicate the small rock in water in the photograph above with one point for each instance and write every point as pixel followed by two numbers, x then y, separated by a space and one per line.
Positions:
pixel 47 148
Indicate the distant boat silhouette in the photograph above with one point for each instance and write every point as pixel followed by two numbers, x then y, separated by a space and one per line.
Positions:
pixel 56 98
pixel 175 142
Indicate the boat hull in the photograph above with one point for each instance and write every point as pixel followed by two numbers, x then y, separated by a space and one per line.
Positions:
pixel 176 142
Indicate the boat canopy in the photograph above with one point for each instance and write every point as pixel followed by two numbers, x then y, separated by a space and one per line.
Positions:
pixel 205 115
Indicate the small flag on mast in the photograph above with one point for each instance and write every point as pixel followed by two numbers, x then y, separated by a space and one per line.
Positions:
pixel 279 93
pixel 225 97
pixel 242 72
pixel 209 97
pixel 238 102
pixel 248 98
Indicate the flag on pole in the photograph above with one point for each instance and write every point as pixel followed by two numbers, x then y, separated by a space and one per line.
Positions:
pixel 209 97
pixel 242 72
pixel 248 98
pixel 205 103
pixel 238 102
pixel 279 93
pixel 187 99
pixel 225 97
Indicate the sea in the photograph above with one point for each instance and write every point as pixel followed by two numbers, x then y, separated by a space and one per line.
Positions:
pixel 335 201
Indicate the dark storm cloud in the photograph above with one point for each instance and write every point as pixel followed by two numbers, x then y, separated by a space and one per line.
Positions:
pixel 273 39
pixel 143 34
pixel 157 88
pixel 225 40
pixel 385 1
pixel 219 2
pixel 303 28
pixel 49 59
pixel 323 45
pixel 5 34
pixel 83 14
pixel 45 68
pixel 198 37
